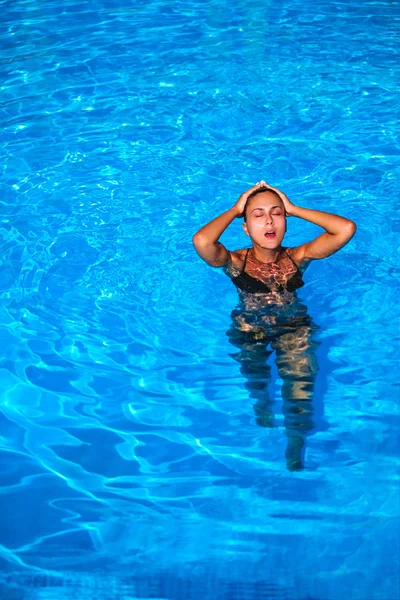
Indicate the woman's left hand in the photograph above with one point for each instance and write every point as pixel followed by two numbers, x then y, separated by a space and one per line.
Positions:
pixel 289 207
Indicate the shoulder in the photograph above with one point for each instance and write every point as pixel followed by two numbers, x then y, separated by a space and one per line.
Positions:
pixel 238 257
pixel 236 260
pixel 298 257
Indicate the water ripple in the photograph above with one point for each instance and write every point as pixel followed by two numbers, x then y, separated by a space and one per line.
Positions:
pixel 129 444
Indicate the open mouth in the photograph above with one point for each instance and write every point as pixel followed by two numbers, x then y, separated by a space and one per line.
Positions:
pixel 270 235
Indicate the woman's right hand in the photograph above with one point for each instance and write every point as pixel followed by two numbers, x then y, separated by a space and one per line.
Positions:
pixel 241 203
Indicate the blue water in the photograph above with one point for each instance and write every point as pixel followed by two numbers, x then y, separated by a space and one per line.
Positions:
pixel 132 465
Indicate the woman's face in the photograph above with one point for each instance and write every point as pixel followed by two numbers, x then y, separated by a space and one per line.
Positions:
pixel 265 220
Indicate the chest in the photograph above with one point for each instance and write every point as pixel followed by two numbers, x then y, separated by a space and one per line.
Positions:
pixel 278 272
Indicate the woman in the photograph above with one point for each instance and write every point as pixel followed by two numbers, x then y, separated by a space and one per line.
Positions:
pixel 270 317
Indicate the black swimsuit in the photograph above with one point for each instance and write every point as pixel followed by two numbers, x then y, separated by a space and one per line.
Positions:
pixel 252 285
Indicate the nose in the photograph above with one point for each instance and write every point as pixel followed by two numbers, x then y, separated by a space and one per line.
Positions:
pixel 269 220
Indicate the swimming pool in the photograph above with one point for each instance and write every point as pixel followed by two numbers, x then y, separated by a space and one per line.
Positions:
pixel 132 464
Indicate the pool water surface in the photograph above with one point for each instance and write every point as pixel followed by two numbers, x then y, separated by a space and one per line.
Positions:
pixel 133 464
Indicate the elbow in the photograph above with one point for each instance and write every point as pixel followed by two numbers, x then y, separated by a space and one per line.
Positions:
pixel 351 228
pixel 198 240
pixel 347 232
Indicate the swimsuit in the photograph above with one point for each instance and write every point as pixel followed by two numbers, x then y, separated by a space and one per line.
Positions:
pixel 252 285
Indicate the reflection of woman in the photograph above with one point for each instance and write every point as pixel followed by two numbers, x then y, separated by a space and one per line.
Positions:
pixel 270 317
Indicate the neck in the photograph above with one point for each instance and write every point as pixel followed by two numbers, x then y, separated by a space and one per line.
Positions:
pixel 265 255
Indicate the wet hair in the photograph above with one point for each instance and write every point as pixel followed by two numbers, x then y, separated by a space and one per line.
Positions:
pixel 255 193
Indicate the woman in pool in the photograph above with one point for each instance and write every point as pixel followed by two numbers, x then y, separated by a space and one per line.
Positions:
pixel 270 317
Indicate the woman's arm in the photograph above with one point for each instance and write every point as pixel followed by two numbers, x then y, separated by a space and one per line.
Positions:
pixel 338 231
pixel 206 239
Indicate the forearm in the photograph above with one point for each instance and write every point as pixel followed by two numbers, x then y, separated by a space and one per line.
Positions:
pixel 210 233
pixel 206 239
pixel 333 224
pixel 338 230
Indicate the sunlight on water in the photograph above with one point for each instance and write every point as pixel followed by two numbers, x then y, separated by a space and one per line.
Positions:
pixel 133 461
